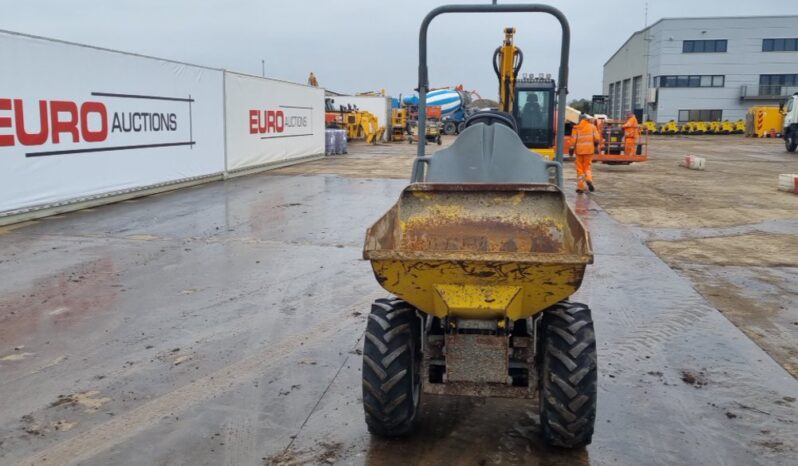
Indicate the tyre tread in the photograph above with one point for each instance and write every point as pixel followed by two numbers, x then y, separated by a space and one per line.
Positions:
pixel 387 381
pixel 569 376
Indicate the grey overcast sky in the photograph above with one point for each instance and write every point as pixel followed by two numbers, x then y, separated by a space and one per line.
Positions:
pixel 358 45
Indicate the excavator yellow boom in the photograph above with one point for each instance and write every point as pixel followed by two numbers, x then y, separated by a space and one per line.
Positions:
pixel 507 61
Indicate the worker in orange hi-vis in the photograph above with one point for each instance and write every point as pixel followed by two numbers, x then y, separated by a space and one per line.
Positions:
pixel 631 133
pixel 312 80
pixel 584 142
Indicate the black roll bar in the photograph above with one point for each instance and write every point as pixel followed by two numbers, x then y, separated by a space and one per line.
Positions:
pixel 423 78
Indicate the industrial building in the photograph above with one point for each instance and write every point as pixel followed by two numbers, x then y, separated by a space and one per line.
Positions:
pixel 707 69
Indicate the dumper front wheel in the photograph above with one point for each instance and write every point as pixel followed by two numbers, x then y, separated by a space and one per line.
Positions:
pixel 568 375
pixel 391 368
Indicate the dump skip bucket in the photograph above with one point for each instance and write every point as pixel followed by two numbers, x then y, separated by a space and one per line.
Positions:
pixel 479 251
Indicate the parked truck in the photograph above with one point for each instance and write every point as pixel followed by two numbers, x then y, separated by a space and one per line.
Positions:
pixel 790 130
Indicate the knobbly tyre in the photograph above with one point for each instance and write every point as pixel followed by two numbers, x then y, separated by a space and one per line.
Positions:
pixel 482 253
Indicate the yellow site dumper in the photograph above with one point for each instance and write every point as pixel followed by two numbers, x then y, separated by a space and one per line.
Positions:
pixel 481 253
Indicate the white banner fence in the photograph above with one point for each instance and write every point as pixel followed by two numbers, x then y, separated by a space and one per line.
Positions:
pixel 271 121
pixel 83 125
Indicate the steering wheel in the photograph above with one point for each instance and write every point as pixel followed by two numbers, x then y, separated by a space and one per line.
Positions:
pixel 490 117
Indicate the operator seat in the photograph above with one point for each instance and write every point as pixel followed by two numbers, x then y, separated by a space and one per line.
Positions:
pixel 488 151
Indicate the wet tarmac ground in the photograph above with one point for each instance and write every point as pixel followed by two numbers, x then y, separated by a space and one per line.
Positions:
pixel 223 324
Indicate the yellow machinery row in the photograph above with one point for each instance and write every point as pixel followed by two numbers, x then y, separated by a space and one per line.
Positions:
pixel 696 127
pixel 760 122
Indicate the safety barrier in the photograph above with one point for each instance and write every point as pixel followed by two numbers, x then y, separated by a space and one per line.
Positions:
pixel 788 182
pixel 111 125
pixel 693 163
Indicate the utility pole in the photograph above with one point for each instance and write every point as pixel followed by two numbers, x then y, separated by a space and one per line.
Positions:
pixel 263 68
pixel 646 74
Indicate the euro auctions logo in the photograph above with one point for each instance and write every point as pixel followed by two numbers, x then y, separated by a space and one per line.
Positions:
pixel 285 121
pixel 107 122
pixel 266 121
pixel 57 120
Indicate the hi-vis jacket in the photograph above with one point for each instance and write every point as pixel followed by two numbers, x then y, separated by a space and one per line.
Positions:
pixel 631 129
pixel 583 136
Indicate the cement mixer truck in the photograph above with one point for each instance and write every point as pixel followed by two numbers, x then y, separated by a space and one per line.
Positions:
pixel 454 105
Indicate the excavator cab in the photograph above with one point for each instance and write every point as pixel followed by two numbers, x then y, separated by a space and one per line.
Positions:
pixel 531 100
pixel 534 111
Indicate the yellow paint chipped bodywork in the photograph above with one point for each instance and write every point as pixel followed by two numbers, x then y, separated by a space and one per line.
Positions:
pixel 438 214
pixel 441 213
pixel 480 251
pixel 477 302
pixel 477 290
pixel 516 199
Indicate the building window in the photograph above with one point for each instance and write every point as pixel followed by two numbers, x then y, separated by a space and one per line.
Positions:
pixel 700 115
pixel 780 45
pixel 704 46
pixel 612 98
pixel 625 97
pixel 690 81
pixel 773 84
pixel 779 79
pixel 637 84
